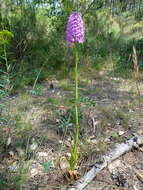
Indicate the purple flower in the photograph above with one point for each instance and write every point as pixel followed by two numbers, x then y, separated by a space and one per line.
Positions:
pixel 75 29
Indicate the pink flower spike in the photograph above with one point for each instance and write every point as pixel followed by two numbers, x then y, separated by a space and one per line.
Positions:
pixel 75 29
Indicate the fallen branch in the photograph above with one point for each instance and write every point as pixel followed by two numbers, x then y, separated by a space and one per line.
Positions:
pixel 119 150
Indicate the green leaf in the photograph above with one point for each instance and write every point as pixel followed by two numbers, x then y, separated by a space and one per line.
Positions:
pixel 1 85
pixel 63 188
pixel 48 165
pixel 2 57
pixel 5 37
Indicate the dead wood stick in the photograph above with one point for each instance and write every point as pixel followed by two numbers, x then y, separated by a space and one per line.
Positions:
pixel 119 150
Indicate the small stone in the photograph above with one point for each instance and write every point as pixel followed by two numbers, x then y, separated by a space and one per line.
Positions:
pixel 107 140
pixel 140 132
pixel 33 172
pixel 33 146
pixel 60 142
pixel 58 93
pixel 57 120
pixel 42 154
pixel 120 133
pixel 11 153
pixel 68 154
pixel 93 141
pixel 135 187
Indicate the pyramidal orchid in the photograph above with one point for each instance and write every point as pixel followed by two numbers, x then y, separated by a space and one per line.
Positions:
pixel 75 35
pixel 75 29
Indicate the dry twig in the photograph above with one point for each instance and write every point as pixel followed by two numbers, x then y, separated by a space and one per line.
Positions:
pixel 119 150
pixel 136 73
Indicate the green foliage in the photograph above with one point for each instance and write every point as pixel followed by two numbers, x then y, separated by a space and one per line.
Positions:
pixel 125 52
pixel 36 91
pixel 5 88
pixel 38 35
pixel 48 165
pixel 54 101
pixel 5 37
pixel 63 188
pixel 87 101
pixel 66 123
pixel 19 178
pixel 3 182
pixel 4 96
pixel 14 180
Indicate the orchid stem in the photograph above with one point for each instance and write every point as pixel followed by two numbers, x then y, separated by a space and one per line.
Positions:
pixel 76 101
pixel 74 154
